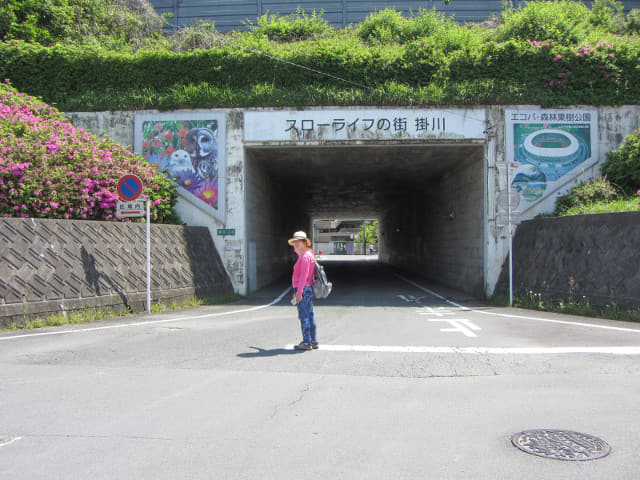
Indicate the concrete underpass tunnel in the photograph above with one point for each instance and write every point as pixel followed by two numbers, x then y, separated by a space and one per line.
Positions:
pixel 429 199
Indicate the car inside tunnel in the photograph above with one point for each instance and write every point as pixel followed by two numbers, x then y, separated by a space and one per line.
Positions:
pixel 428 198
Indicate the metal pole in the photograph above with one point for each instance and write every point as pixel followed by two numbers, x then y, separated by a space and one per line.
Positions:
pixel 510 227
pixel 364 238
pixel 148 255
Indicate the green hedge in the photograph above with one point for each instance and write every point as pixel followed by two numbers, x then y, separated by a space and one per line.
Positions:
pixel 507 72
pixel 423 60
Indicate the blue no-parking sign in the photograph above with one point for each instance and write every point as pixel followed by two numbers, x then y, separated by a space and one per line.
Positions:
pixel 129 188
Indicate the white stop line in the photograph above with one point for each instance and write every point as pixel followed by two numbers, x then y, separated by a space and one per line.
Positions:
pixel 481 350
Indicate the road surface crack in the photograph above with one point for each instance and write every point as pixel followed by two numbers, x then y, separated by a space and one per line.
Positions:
pixel 302 393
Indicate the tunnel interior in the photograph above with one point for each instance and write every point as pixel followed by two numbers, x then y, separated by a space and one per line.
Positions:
pixel 429 199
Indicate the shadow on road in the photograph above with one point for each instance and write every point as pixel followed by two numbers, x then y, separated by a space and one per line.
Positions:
pixel 263 352
pixel 366 284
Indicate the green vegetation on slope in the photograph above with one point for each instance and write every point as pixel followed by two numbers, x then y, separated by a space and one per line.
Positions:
pixel 616 192
pixel 547 53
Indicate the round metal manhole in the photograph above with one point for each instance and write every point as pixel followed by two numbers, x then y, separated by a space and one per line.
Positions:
pixel 561 445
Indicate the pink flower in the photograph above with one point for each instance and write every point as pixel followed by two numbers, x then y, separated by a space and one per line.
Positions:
pixel 558 57
pixel 560 75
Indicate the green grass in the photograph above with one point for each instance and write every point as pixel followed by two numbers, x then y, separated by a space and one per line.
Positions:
pixel 614 206
pixel 480 92
pixel 88 315
pixel 193 302
pixel 570 306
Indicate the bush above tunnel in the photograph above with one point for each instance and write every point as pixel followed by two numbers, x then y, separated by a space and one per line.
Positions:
pixel 389 59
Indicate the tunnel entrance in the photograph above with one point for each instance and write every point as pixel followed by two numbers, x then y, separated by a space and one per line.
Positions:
pixel 429 199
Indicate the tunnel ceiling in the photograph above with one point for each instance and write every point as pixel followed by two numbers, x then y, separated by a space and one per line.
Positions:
pixel 338 181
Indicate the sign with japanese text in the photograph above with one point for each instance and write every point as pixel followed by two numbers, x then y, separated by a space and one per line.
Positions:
pixel 549 147
pixel 364 124
pixel 135 208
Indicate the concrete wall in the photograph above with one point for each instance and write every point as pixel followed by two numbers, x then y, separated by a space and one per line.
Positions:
pixel 438 232
pixel 52 266
pixel 600 253
pixel 120 127
pixel 268 227
pixel 614 124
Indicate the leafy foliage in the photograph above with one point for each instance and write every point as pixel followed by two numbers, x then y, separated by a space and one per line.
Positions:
pixel 110 22
pixel 200 36
pixel 593 191
pixel 371 233
pixel 550 53
pixel 51 169
pixel 562 21
pixel 623 165
pixel 297 26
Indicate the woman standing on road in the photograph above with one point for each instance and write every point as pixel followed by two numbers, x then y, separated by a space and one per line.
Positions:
pixel 303 277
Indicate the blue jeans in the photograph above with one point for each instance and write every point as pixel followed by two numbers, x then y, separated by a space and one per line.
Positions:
pixel 305 314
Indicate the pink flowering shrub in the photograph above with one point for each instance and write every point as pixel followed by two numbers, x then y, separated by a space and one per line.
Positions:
pixel 51 169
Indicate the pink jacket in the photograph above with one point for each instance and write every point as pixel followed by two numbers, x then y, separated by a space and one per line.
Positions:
pixel 304 271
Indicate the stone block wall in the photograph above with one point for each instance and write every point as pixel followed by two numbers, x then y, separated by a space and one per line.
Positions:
pixel 600 252
pixel 49 266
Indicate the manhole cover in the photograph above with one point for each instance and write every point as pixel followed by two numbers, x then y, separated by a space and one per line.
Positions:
pixel 561 444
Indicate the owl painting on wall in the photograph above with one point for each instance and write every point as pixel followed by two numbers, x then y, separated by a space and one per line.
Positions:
pixel 190 152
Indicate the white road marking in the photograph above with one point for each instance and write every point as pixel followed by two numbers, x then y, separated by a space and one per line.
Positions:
pixel 635 350
pixel 410 298
pixel 460 325
pixel 438 312
pixel 11 440
pixel 149 322
pixel 521 317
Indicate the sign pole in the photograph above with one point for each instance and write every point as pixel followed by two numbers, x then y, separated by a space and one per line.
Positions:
pixel 148 255
pixel 510 227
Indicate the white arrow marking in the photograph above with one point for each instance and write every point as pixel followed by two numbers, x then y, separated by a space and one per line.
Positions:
pixel 461 325
pixel 410 298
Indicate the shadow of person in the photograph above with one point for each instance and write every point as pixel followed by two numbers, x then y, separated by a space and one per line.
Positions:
pixel 263 352
pixel 91 273
pixel 93 276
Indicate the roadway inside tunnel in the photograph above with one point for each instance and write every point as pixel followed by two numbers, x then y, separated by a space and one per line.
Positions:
pixel 429 199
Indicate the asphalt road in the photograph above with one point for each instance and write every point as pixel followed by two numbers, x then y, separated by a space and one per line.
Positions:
pixel 412 381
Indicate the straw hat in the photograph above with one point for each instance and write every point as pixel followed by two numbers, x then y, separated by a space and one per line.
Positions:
pixel 299 235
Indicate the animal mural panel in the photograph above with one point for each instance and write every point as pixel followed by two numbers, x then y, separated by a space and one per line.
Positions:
pixel 188 151
pixel 549 148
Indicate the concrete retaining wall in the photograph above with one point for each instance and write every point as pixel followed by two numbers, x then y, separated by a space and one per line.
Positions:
pixel 49 266
pixel 267 228
pixel 244 254
pixel 600 253
pixel 438 233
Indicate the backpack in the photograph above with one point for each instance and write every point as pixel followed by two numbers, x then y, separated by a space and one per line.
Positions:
pixel 321 286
